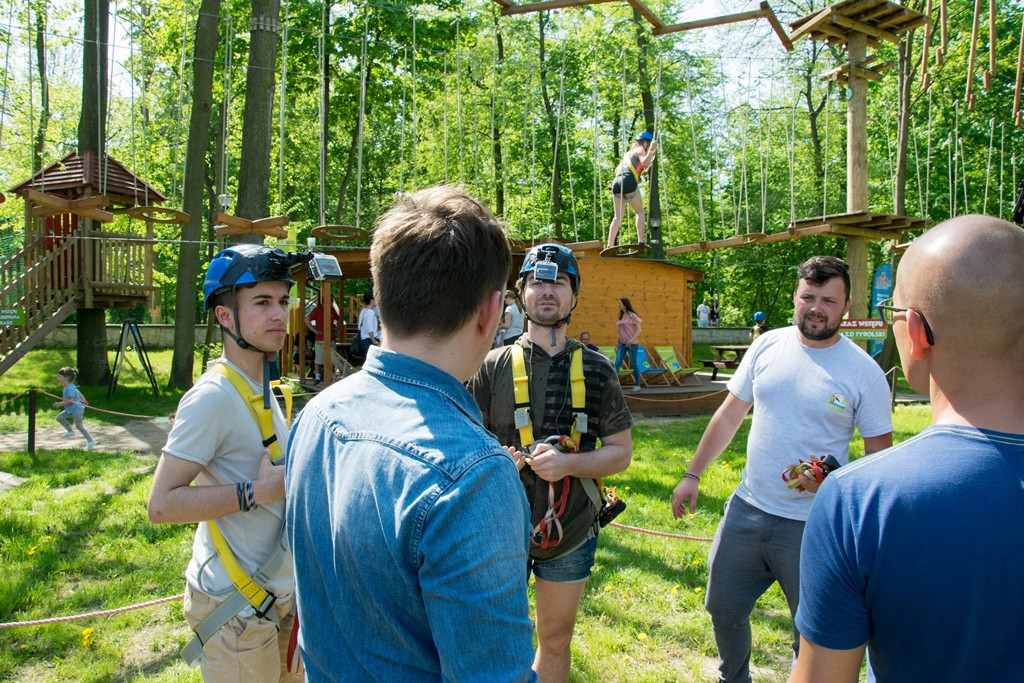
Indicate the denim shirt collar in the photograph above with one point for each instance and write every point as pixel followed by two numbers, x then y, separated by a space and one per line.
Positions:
pixel 398 367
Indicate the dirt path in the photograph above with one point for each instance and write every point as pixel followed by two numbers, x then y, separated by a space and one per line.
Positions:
pixel 141 436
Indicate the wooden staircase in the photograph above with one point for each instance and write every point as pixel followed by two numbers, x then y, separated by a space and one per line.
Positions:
pixel 52 276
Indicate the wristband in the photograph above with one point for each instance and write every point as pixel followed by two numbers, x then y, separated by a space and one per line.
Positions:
pixel 240 492
pixel 250 497
pixel 691 475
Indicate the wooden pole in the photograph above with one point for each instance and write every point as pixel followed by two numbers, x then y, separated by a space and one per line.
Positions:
pixel 857 172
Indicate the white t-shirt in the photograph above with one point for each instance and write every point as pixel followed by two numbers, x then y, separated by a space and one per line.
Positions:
pixel 517 318
pixel 368 323
pixel 214 428
pixel 807 401
pixel 703 315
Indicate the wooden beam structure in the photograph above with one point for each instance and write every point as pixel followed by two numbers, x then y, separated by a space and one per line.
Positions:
pixel 233 225
pixel 87 207
pixel 658 27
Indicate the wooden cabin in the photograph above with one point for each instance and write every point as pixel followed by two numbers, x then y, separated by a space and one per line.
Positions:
pixel 70 258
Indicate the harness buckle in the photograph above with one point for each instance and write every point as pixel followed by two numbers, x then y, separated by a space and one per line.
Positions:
pixel 579 424
pixel 263 609
pixel 522 417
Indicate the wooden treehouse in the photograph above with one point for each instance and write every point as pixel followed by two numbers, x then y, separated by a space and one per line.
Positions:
pixel 70 259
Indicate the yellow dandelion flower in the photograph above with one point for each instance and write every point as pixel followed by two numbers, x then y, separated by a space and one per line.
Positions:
pixel 698 590
pixel 641 636
pixel 88 637
pixel 608 589
pixel 32 550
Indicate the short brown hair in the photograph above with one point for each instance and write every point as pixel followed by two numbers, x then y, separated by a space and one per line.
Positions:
pixel 818 270
pixel 436 254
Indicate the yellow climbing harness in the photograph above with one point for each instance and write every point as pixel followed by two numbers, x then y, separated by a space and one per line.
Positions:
pixel 250 589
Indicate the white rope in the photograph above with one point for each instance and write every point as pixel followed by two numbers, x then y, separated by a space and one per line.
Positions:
pixel 7 65
pixel 415 170
pixel 917 166
pixel 444 116
pixel 988 165
pixel 1002 160
pixel 176 196
pixel 31 96
pixel 598 204
pixel 564 118
pixel 280 117
pixel 229 39
pixel 963 172
pixel 401 144
pixel 321 114
pixel 458 98
pixel 104 121
pixel 696 158
pixel 662 161
pixel 828 161
pixel 362 122
pixel 928 163
pixel 792 158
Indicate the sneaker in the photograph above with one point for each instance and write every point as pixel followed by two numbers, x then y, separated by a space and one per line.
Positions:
pixel 67 435
pixel 91 445
pixel 635 389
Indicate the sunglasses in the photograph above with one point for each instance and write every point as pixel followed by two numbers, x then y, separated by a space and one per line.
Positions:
pixel 888 311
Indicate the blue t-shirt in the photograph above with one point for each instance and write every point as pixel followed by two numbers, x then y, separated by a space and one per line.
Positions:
pixel 71 393
pixel 918 551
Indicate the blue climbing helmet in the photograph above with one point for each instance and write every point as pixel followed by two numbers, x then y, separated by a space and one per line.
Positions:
pixel 545 261
pixel 244 264
pixel 645 135
pixel 759 317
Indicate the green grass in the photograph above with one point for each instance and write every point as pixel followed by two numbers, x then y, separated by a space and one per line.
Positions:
pixel 75 538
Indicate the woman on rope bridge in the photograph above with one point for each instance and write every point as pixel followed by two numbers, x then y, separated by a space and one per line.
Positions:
pixel 626 185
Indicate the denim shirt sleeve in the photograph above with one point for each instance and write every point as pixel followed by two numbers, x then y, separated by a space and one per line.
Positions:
pixel 473 586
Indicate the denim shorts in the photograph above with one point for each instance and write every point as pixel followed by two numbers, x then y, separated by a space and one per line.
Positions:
pixel 572 567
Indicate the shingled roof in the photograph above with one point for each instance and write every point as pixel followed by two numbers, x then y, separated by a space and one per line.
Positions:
pixel 74 174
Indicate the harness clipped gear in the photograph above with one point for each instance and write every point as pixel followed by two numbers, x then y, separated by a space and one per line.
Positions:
pixel 547 533
pixel 249 590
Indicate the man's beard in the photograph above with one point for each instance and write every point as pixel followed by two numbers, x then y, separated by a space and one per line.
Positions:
pixel 826 332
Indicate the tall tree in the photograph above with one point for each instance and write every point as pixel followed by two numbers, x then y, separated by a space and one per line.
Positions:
pixel 194 202
pixel 552 119
pixel 257 127
pixel 92 330
pixel 39 144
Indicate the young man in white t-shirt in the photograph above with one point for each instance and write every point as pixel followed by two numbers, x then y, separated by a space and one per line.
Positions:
pixel 809 388
pixel 216 466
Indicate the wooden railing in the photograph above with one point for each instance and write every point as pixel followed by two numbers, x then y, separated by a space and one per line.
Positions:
pixel 51 276
pixel 40 284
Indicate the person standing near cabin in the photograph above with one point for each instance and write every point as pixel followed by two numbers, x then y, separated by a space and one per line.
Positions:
pixel 626 185
pixel 514 319
pixel 629 329
pixel 551 399
pixel 73 404
pixel 915 554
pixel 703 314
pixel 368 324
pixel 215 471
pixel 406 516
pixel 809 387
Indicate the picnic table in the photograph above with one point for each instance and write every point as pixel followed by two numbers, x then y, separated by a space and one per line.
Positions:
pixel 720 362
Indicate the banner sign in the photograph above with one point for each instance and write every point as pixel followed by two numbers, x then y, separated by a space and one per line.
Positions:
pixel 863 328
pixel 12 316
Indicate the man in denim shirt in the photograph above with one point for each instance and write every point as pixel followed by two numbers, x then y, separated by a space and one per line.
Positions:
pixel 406 518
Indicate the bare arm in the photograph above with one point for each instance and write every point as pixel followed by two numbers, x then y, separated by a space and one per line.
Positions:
pixel 817 663
pixel 639 329
pixel 614 456
pixel 719 433
pixel 877 443
pixel 173 499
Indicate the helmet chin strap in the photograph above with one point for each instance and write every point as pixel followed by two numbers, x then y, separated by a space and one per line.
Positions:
pixel 243 344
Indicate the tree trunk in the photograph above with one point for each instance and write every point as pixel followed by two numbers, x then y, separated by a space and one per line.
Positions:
pixel 39 144
pixel 257 126
pixel 193 200
pixel 556 175
pixel 92 331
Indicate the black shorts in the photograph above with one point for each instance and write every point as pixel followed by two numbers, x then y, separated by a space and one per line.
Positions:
pixel 624 185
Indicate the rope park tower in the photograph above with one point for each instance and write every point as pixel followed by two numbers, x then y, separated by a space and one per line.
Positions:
pixel 855 25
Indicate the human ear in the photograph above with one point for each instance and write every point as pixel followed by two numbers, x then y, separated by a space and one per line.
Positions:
pixel 917 335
